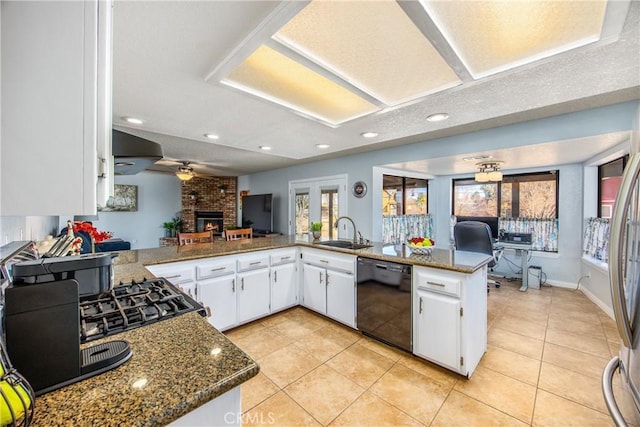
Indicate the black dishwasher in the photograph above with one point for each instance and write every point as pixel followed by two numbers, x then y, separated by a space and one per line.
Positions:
pixel 384 302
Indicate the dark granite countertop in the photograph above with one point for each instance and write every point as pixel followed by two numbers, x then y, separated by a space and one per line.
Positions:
pixel 173 359
pixel 130 264
pixel 173 370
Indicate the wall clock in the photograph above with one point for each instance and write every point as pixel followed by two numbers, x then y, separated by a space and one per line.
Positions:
pixel 359 189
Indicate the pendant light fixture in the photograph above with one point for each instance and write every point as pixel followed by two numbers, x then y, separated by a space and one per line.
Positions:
pixel 489 171
pixel 185 172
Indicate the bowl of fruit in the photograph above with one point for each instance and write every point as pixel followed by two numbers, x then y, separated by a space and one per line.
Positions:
pixel 421 245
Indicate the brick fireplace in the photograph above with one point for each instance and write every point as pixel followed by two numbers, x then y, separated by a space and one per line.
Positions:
pixel 209 194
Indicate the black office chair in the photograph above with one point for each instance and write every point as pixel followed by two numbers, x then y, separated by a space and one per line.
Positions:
pixel 475 236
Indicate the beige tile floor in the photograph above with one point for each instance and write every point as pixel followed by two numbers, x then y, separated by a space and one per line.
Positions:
pixel 546 351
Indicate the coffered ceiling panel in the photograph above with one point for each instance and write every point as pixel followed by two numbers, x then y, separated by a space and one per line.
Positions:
pixel 493 36
pixel 373 46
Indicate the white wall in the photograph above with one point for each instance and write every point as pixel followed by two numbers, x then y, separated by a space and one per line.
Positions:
pixel 34 228
pixel 158 201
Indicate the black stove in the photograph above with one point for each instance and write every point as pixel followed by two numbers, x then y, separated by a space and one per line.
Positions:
pixel 131 305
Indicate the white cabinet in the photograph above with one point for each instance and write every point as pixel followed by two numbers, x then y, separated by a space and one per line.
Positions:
pixel 219 294
pixel 284 286
pixel 56 106
pixel 438 328
pixel 341 297
pixel 314 289
pixel 328 284
pixel 450 317
pixel 216 289
pixel 178 273
pixel 254 295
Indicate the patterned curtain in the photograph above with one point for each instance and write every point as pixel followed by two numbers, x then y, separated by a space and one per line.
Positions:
pixel 596 239
pixel 398 228
pixel 544 232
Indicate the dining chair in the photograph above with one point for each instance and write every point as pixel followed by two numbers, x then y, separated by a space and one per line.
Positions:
pixel 191 238
pixel 239 234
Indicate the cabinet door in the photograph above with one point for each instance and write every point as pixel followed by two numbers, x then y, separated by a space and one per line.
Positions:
pixel 283 287
pixel 253 295
pixel 314 291
pixel 54 69
pixel 341 297
pixel 436 335
pixel 219 295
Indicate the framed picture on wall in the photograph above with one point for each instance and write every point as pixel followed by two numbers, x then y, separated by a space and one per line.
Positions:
pixel 125 199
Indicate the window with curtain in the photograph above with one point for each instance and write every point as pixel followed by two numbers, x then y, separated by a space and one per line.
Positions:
pixel 609 177
pixel 523 202
pixel 404 195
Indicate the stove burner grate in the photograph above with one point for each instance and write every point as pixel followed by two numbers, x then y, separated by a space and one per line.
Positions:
pixel 132 305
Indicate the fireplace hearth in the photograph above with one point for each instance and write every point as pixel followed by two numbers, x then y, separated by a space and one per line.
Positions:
pixel 207 219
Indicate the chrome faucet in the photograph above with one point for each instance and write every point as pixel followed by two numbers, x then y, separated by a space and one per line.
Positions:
pixel 355 239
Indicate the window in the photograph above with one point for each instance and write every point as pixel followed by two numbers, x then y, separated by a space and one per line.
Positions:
pixel 532 195
pixel 301 208
pixel 609 177
pixel 404 195
pixel 329 211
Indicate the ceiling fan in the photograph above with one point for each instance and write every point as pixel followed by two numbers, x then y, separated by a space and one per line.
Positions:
pixel 185 172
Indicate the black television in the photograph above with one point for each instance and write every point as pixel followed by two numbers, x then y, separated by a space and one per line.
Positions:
pixel 257 213
pixel 490 220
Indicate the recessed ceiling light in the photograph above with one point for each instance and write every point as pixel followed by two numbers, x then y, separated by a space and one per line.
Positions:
pixel 211 136
pixel 438 117
pixel 322 146
pixel 133 120
pixel 369 134
pixel 265 147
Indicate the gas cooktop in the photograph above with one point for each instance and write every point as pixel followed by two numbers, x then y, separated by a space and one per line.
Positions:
pixel 131 305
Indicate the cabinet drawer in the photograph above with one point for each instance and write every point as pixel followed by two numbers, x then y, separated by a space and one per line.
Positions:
pixel 283 256
pixel 217 268
pixel 437 282
pixel 176 274
pixel 253 262
pixel 326 259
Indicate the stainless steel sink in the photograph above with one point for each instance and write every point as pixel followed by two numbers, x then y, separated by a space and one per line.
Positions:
pixel 344 244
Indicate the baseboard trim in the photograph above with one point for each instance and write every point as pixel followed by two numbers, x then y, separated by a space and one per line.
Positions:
pixel 598 302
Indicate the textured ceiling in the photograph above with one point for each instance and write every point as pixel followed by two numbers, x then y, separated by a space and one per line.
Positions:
pixel 164 51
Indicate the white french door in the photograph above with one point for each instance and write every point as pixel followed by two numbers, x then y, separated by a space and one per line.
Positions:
pixel 317 200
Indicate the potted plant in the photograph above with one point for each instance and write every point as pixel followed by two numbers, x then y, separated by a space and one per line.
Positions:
pixel 316 229
pixel 169 228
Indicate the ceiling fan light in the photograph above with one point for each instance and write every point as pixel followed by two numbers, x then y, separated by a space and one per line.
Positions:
pixel 184 173
pixel 482 177
pixel 495 176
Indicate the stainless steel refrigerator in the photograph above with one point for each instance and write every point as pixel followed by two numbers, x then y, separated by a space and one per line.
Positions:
pixel 624 276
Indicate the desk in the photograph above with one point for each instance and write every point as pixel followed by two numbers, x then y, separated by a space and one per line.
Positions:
pixel 525 248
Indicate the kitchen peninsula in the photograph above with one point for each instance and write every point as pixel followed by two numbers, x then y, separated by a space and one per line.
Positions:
pixel 183 363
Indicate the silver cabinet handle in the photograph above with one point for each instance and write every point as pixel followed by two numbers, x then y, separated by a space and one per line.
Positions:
pixel 320 276
pixel 175 276
pixel 275 276
pixel 436 284
pixel 607 391
pixel 242 283
pixel 219 269
pixel 255 263
pixel 233 285
pixel 616 255
pixel 325 261
pixel 420 310
pixel 284 258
